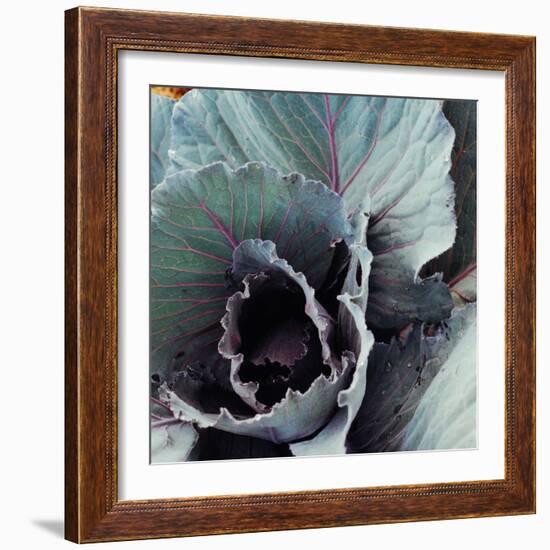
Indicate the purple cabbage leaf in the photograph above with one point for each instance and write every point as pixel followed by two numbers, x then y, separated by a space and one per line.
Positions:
pixel 403 409
pixel 289 231
pixel 246 302
pixel 395 151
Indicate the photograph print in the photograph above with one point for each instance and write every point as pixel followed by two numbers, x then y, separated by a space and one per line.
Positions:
pixel 312 274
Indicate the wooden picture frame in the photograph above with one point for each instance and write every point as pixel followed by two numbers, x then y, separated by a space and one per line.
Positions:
pixel 93 510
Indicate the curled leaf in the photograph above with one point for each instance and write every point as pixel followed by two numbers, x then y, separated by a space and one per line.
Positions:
pixel 332 439
pixel 296 416
pixel 283 314
pixel 200 217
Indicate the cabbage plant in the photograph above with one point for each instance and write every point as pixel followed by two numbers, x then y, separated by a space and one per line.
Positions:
pixel 312 275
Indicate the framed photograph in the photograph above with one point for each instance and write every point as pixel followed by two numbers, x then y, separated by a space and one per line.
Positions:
pixel 300 274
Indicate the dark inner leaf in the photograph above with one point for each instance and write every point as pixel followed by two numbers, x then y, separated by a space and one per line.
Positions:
pixel 280 344
pixel 205 384
pixel 272 324
pixel 428 300
pixel 334 280
pixel 398 376
pixel 218 445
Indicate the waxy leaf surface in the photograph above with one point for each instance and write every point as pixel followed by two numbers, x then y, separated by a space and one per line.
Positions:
pixel 395 151
pixel 198 220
